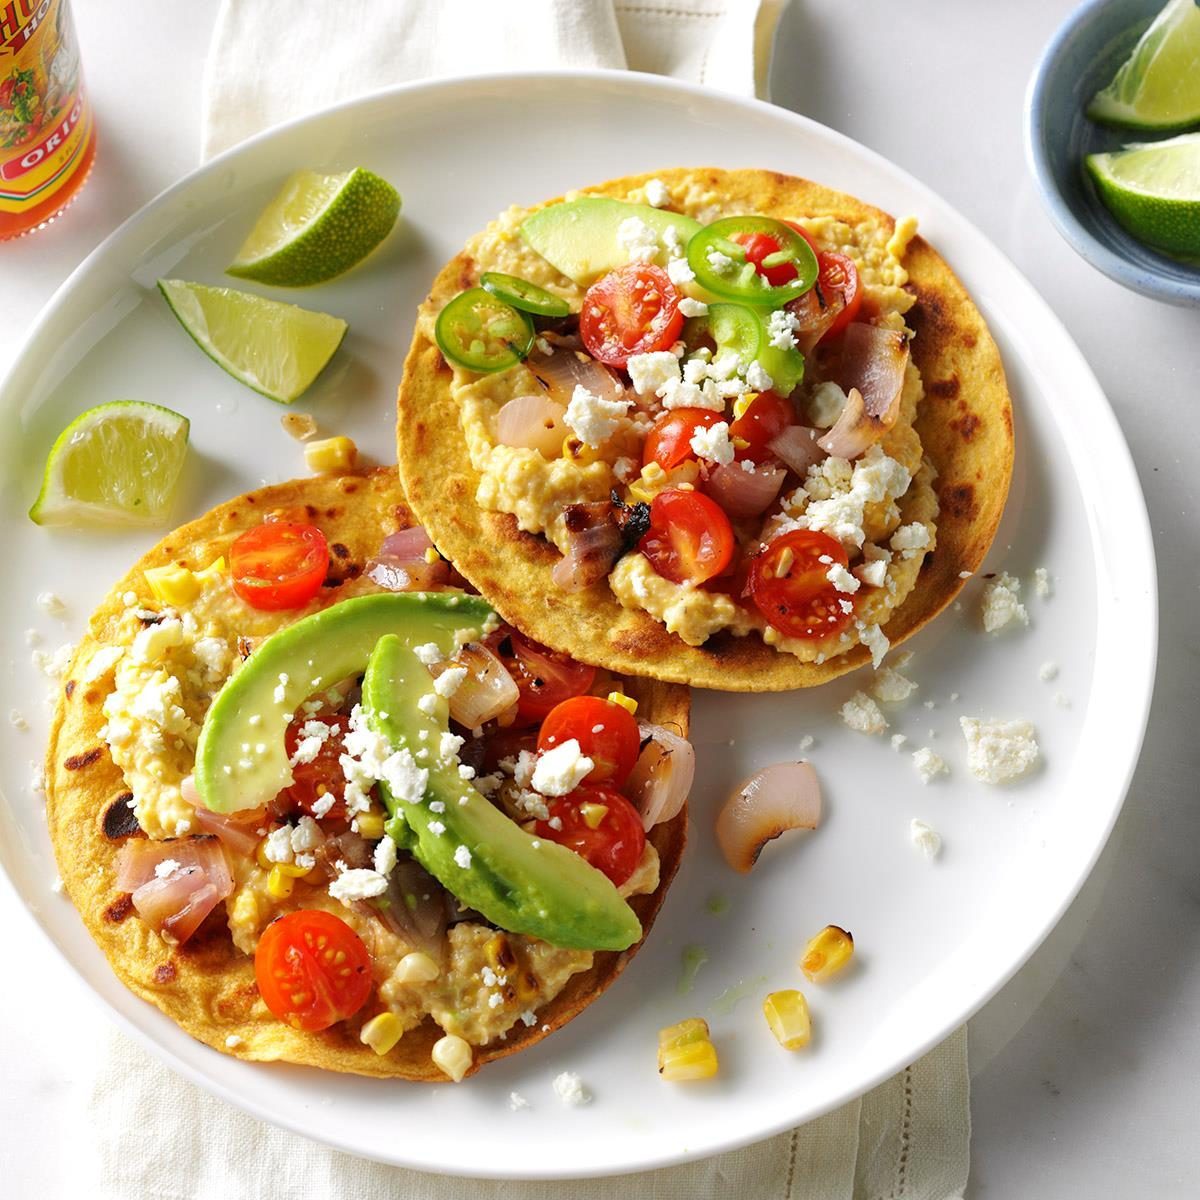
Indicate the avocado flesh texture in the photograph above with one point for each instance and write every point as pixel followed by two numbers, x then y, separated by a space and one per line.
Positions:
pixel 518 882
pixel 316 652
pixel 579 237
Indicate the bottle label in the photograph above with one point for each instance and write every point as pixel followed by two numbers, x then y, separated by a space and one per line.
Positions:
pixel 45 118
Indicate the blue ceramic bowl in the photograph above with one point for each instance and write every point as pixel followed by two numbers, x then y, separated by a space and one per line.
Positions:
pixel 1082 58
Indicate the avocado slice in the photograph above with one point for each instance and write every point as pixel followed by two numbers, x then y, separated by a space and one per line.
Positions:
pixel 518 882
pixel 579 237
pixel 241 761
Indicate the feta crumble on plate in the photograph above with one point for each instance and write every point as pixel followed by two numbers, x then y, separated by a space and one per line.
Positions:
pixel 999 751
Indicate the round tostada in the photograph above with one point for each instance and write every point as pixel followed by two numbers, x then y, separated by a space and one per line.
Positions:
pixel 319 805
pixel 728 428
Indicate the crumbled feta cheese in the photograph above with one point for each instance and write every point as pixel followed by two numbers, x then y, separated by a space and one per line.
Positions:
pixel 523 765
pixel 306 835
pixel 680 272
pixel 357 884
pixel 448 746
pixel 873 574
pixel 52 604
pixel 570 1090
pixel 721 263
pixel 152 643
pixel 929 765
pixel 656 193
pixel 278 846
pixel 591 418
pixel 999 751
pixel 758 379
pixel 462 856
pixel 561 770
pixel 637 239
pixel 168 866
pixel 17 720
pixel 213 655
pixel 448 682
pixel 427 704
pixel 909 539
pixel 713 443
pixel 437 828
pixel 1048 671
pixel 466 772
pixel 1041 583
pixel 384 858
pixel 891 687
pixel 842 579
pixel 683 393
pixel 648 372
pixel 898 741
pixel 693 308
pixel 875 640
pixel 232 1042
pixel 517 1102
pixel 1001 604
pixel 925 838
pixel 370 759
pixel 428 653
pixel 280 694
pixel 781 329
pixel 32 637
pixel 1062 700
pixel 313 735
pixel 863 715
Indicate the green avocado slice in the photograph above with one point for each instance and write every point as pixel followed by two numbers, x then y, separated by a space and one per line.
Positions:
pixel 579 237
pixel 518 882
pixel 241 759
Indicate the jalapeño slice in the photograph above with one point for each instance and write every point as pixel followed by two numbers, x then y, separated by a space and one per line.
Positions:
pixel 718 257
pixel 478 331
pixel 522 294
pixel 725 328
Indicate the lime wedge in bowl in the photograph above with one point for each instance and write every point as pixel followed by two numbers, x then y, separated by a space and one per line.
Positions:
pixel 1158 85
pixel 317 227
pixel 276 349
pixel 116 464
pixel 1153 190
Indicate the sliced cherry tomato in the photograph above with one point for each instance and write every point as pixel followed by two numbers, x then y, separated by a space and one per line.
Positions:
pixel 766 418
pixel 615 846
pixel 544 676
pixel 607 733
pixel 669 442
pixel 632 310
pixel 758 246
pixel 790 586
pixel 312 969
pixel 320 775
pixel 808 237
pixel 279 564
pixel 690 538
pixel 839 277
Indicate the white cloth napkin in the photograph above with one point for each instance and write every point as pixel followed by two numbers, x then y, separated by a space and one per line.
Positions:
pixel 906 1140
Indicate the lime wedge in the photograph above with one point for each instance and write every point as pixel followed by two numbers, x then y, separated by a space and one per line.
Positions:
pixel 276 349
pixel 1158 85
pixel 117 464
pixel 1153 190
pixel 317 227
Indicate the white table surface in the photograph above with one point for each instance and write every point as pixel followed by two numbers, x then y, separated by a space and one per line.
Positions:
pixel 1085 1067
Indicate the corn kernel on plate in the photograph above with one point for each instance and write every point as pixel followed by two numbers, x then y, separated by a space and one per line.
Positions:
pixel 940 913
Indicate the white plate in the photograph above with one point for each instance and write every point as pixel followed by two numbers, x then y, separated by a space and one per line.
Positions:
pixel 935 939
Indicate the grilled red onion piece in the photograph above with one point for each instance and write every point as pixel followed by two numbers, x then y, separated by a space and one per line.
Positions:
pixel 534 422
pixel 778 798
pixel 742 493
pixel 815 313
pixel 413 908
pixel 874 361
pixel 400 565
pixel 564 370
pixel 662 777
pixel 176 902
pixel 798 446
pixel 486 692
pixel 595 544
pixel 236 831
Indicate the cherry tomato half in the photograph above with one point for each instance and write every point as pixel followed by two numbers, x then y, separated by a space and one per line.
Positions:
pixel 766 418
pixel 607 733
pixel 838 276
pixel 669 442
pixel 690 538
pixel 790 586
pixel 544 676
pixel 312 969
pixel 321 775
pixel 279 564
pixel 632 310
pixel 758 246
pixel 615 846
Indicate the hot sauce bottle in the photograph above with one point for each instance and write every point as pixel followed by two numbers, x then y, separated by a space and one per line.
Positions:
pixel 47 134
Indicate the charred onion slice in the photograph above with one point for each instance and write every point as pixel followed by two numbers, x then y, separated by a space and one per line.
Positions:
pixel 533 422
pixel 662 777
pixel 874 361
pixel 772 801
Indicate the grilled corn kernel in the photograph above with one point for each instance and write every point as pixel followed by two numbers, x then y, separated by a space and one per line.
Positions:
pixel 431 556
pixel 453 1056
pixel 416 967
pixel 742 403
pixel 499 954
pixel 331 455
pixel 827 954
pixel 628 703
pixel 579 451
pixel 381 1033
pixel 787 1015
pixel 593 814
pixel 654 480
pixel 279 883
pixel 685 1052
pixel 369 825
pixel 173 584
